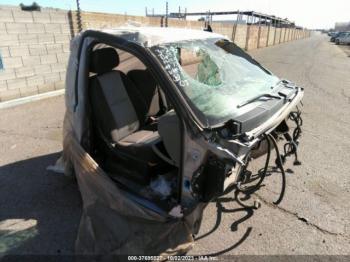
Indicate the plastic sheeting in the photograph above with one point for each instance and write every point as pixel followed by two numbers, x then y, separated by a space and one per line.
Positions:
pixel 111 222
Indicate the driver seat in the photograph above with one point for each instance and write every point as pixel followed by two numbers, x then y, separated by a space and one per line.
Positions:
pixel 120 124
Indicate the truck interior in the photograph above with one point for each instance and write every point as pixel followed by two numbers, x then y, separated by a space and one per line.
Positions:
pixel 136 133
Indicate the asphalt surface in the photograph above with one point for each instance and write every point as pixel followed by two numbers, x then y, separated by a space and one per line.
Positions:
pixel 314 217
pixel 40 210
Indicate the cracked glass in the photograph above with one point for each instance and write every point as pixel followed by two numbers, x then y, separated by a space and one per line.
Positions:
pixel 215 75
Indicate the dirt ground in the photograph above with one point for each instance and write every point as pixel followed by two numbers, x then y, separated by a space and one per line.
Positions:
pixel 40 210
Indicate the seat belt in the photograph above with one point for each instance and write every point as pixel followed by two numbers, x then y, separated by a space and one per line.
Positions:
pixel 162 102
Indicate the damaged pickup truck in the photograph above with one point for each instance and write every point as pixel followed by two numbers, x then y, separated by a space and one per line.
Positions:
pixel 161 121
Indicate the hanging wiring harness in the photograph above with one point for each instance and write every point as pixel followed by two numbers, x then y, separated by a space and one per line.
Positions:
pixel 289 148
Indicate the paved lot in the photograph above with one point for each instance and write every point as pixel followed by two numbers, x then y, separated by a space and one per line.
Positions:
pixel 346 49
pixel 314 217
pixel 40 210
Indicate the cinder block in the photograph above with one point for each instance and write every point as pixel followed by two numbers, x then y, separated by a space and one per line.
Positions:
pixel 28 39
pixel 16 28
pixel 52 28
pixel 31 60
pixel 52 77
pixel 42 69
pixel 9 94
pixel 59 17
pixel 36 80
pixel 58 67
pixel 28 91
pixel 35 28
pixel 6 16
pixel 46 87
pixel 7 74
pixel 59 85
pixel 48 59
pixel 3 85
pixel 62 38
pixel 62 57
pixel 66 47
pixel 4 51
pixel 8 7
pixel 16 83
pixel 12 62
pixel 63 76
pixel 24 71
pixel 22 16
pixel 54 48
pixel 19 51
pixel 46 39
pixel 8 40
pixel 37 50
pixel 2 28
pixel 40 17
pixel 65 28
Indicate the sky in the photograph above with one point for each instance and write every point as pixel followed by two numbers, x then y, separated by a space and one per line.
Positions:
pixel 306 13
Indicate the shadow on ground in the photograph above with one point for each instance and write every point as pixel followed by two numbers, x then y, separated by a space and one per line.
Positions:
pixel 40 210
pixel 247 213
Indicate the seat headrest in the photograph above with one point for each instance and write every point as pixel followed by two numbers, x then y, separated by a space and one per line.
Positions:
pixel 103 60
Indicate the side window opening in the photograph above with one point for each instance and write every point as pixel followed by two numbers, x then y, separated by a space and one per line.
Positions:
pixel 132 141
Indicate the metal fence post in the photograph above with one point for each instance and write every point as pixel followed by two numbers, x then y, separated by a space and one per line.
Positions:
pixel 234 29
pixel 166 14
pixel 259 32
pixel 247 36
pixel 80 28
pixel 268 34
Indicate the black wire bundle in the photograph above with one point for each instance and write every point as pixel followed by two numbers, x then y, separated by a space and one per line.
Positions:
pixel 250 190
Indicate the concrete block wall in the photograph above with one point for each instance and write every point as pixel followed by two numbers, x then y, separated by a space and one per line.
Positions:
pixel 271 35
pixel 253 36
pixel 222 29
pixel 285 35
pixel 281 35
pixel 101 20
pixel 263 34
pixel 277 37
pixel 34 47
pixel 252 40
pixel 198 25
pixel 240 35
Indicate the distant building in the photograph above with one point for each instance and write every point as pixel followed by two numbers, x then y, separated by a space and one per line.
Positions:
pixel 342 26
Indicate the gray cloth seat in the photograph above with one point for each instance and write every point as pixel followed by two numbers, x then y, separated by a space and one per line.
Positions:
pixel 147 87
pixel 120 119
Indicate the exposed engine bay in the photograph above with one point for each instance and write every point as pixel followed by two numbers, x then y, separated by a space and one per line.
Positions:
pixel 228 176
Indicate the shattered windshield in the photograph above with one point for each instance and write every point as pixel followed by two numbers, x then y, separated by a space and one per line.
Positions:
pixel 215 75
